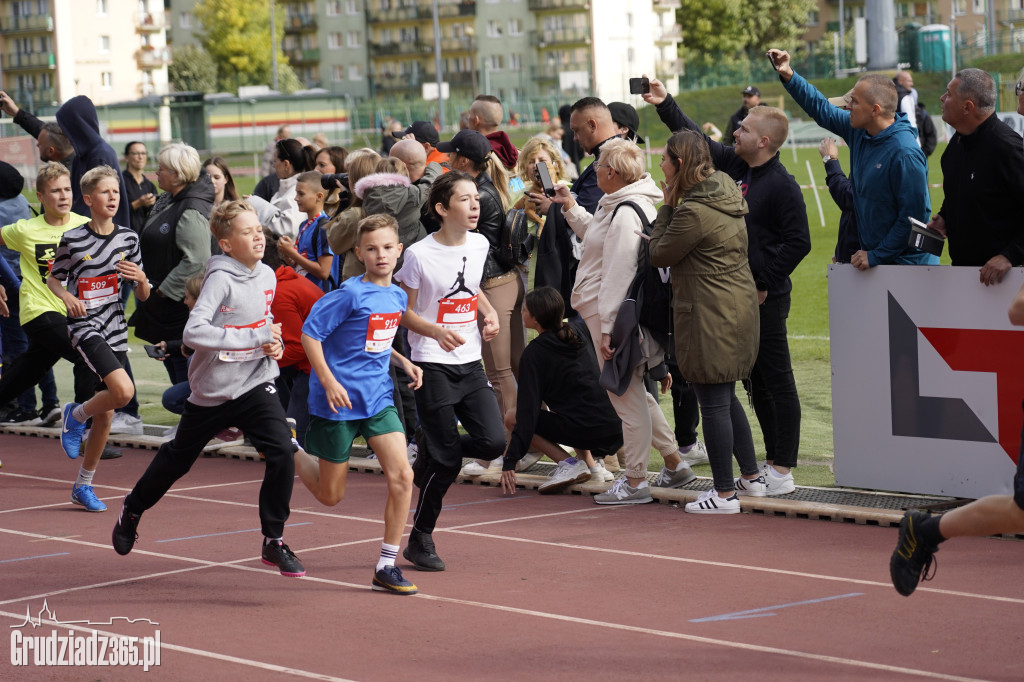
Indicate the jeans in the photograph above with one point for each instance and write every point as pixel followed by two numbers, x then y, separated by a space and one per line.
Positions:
pixel 726 433
pixel 776 402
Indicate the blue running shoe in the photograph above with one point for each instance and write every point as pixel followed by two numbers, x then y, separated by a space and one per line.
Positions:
pixel 71 432
pixel 83 496
pixel 389 579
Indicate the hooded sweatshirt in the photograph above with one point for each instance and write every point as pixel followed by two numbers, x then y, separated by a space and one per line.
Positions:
pixel 890 178
pixel 504 149
pixel 605 272
pixel 77 118
pixel 394 195
pixel 228 325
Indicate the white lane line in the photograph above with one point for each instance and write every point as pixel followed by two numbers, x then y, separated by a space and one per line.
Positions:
pixel 196 652
pixel 507 609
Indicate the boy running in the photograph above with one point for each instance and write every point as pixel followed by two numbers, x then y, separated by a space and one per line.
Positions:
pixel 232 378
pixel 441 276
pixel 96 260
pixel 347 338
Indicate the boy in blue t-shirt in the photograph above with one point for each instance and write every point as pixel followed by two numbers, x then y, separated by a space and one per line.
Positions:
pixel 347 338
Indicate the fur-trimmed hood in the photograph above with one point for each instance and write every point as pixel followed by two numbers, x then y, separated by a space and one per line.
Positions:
pixel 380 180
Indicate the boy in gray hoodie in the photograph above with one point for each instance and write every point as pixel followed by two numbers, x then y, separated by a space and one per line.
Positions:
pixel 232 378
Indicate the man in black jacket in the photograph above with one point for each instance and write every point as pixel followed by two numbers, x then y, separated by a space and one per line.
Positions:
pixel 751 99
pixel 779 238
pixel 983 180
pixel 53 144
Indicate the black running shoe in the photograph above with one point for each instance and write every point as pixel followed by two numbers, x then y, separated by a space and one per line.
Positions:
pixel 125 530
pixel 389 579
pixel 912 559
pixel 421 554
pixel 110 453
pixel 50 415
pixel 277 554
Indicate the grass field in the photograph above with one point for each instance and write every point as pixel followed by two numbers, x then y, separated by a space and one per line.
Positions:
pixel 808 323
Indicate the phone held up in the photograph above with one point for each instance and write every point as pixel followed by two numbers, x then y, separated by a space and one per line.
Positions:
pixel 545 179
pixel 771 60
pixel 639 86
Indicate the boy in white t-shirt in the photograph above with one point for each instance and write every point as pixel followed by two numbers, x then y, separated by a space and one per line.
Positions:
pixel 441 276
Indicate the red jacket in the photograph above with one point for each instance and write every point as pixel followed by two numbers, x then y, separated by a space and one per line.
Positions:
pixel 294 299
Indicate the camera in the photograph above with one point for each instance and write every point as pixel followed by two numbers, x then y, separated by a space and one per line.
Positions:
pixel 639 86
pixel 331 180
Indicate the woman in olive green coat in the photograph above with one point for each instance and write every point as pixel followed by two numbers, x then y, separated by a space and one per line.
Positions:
pixel 701 234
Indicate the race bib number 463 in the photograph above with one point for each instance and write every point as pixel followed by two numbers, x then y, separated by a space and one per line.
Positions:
pixel 380 331
pixel 457 313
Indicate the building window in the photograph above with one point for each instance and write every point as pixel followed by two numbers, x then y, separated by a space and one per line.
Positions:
pixel 515 27
pixel 333 8
pixel 333 41
pixel 495 62
pixel 107 80
pixel 355 72
pixel 812 18
pixel 351 7
pixel 493 29
pixel 104 44
pixel 185 20
pixel 959 7
pixel 101 7
pixel 353 39
pixel 979 6
pixel 515 62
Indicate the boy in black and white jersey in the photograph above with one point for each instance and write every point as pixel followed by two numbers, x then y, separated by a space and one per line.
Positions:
pixel 96 260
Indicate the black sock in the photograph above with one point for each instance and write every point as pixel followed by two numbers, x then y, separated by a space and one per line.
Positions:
pixel 928 531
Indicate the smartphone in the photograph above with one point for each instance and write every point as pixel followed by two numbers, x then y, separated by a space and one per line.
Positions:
pixel 639 86
pixel 771 61
pixel 154 352
pixel 545 179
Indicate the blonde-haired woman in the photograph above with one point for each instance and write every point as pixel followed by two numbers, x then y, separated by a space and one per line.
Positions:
pixel 538 150
pixel 701 234
pixel 341 230
pixel 607 268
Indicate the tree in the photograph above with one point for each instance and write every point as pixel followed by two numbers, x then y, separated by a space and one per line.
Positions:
pixel 192 70
pixel 236 34
pixel 730 30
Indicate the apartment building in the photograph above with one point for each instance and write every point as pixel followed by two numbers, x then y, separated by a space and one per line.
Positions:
pixel 515 49
pixel 109 50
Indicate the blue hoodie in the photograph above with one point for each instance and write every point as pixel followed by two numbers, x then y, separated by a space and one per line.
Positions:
pixel 78 119
pixel 890 178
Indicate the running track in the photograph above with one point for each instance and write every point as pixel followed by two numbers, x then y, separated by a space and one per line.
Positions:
pixel 537 587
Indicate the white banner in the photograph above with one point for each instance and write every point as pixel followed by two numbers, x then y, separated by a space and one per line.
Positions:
pixel 927 379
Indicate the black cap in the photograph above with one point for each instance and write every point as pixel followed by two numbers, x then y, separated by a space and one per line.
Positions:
pixel 468 143
pixel 625 115
pixel 751 90
pixel 423 131
pixel 11 181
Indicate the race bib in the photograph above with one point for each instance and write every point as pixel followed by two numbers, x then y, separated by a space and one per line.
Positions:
pixel 248 353
pixel 458 314
pixel 97 291
pixel 380 331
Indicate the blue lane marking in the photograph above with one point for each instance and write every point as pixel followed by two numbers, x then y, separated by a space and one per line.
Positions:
pixel 232 532
pixel 39 556
pixel 762 612
pixel 466 504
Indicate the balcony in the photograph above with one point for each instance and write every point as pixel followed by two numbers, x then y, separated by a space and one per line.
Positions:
pixel 667 5
pixel 668 67
pixel 1012 16
pixel 300 23
pixel 149 58
pixel 550 72
pixel 560 37
pixel 400 82
pixel 394 15
pixel 149 22
pixel 922 19
pixel 459 44
pixel 558 5
pixel 449 10
pixel 300 56
pixel 454 79
pixel 31 99
pixel 29 60
pixel 669 35
pixel 31 24
pixel 407 48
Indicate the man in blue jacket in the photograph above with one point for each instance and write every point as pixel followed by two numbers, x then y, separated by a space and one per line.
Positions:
pixel 889 170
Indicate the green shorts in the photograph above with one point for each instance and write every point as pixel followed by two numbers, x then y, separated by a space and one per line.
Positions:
pixel 332 440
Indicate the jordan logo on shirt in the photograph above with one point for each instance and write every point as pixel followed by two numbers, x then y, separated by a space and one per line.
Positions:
pixel 460 283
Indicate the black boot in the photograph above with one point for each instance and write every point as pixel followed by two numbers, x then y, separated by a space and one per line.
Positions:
pixel 421 554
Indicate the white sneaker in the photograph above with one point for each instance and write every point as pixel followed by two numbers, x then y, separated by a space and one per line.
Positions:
pixel 125 423
pixel 778 484
pixel 474 468
pixel 528 460
pixel 623 493
pixel 751 488
pixel 599 474
pixel 565 475
pixel 710 503
pixel 697 454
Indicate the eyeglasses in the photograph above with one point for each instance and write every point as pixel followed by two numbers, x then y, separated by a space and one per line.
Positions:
pixel 601 165
pixel 1019 88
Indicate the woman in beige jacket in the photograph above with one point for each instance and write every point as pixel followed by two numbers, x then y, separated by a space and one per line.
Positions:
pixel 606 269
pixel 701 234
